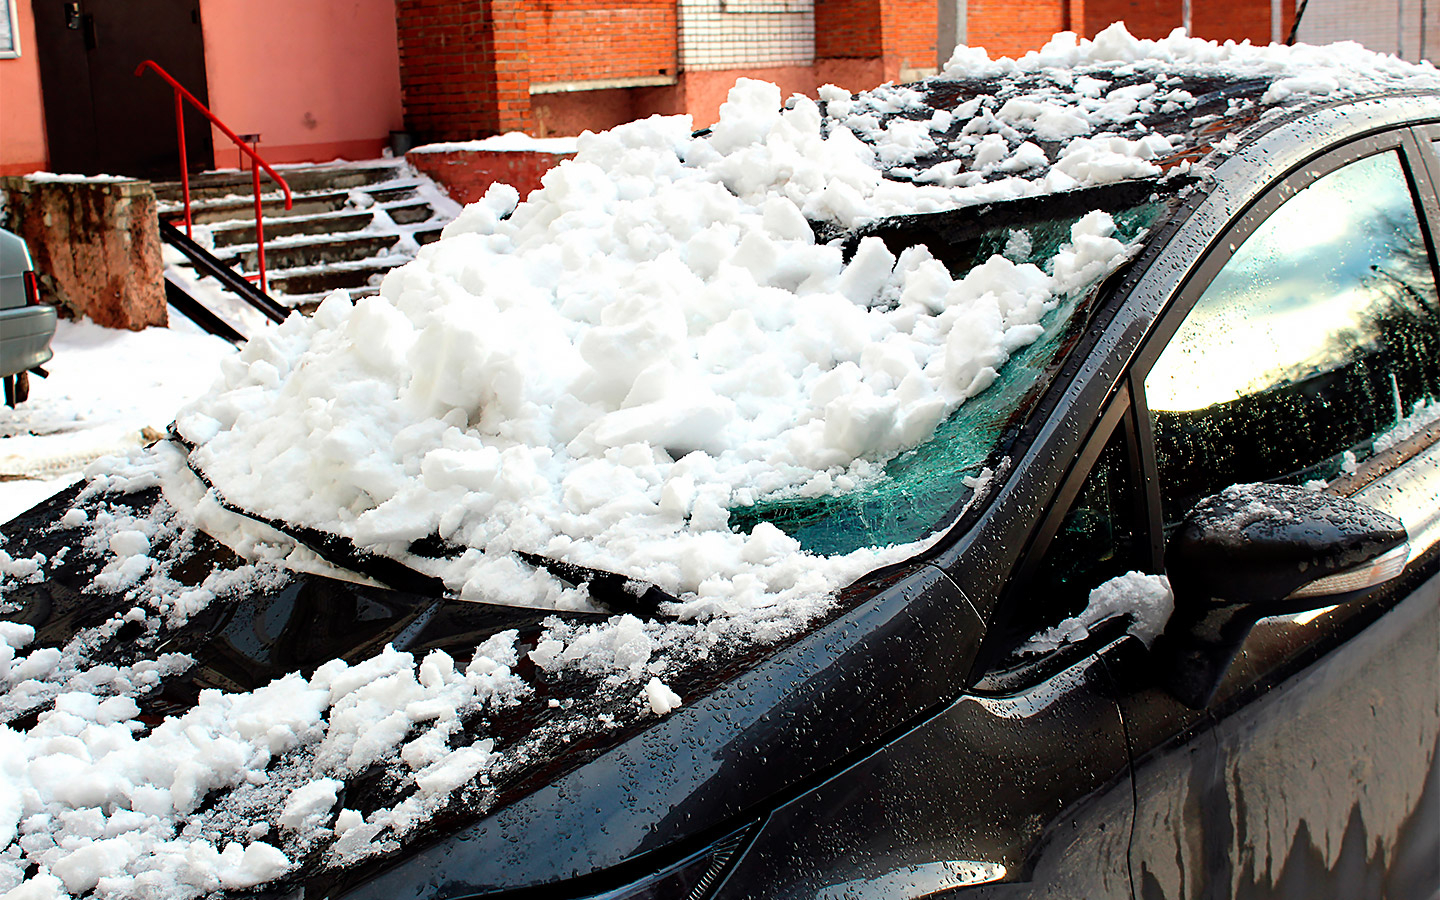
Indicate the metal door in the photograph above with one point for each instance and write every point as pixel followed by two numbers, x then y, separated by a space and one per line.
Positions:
pixel 100 118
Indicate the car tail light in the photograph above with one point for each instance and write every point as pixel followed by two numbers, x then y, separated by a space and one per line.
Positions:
pixel 32 289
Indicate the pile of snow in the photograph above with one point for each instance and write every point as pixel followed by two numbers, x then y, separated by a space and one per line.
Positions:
pixel 656 337
pixel 598 375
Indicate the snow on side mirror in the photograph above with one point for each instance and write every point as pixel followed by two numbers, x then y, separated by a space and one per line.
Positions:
pixel 1261 550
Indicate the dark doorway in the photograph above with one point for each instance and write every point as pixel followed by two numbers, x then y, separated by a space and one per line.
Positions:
pixel 100 118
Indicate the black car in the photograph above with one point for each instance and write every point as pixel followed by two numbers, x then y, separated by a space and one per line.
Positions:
pixel 1245 406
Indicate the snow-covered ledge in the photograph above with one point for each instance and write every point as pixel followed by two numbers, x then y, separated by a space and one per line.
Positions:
pixel 466 169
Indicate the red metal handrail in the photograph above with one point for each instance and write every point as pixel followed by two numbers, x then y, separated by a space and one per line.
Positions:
pixel 181 95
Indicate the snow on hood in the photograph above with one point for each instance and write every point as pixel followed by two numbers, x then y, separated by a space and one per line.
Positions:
pixel 597 375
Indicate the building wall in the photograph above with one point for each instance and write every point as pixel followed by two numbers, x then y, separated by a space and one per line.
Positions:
pixel 1241 21
pixel 845 29
pixel 1014 27
pixel 472 68
pixel 578 41
pixel 1238 21
pixel 22 117
pixel 744 34
pixel 1407 28
pixel 447 77
pixel 908 28
pixel 316 80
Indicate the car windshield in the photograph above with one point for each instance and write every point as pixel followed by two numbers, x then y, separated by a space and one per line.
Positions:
pixel 924 488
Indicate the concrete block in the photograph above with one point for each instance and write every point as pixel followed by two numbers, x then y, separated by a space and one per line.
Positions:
pixel 95 243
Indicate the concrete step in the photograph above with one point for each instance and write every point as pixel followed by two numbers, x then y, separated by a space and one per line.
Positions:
pixel 322 282
pixel 331 223
pixel 273 205
pixel 410 213
pixel 323 252
pixel 212 185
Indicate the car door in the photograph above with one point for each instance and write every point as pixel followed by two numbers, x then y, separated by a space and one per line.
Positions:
pixel 1306 350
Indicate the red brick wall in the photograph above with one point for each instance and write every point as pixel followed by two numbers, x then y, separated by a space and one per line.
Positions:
pixel 447 70
pixel 1014 27
pixel 1142 18
pixel 909 28
pixel 1234 20
pixel 1239 21
pixel 848 29
pixel 900 32
pixel 585 40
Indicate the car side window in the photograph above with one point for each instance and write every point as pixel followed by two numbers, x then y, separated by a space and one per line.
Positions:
pixel 1099 538
pixel 1317 336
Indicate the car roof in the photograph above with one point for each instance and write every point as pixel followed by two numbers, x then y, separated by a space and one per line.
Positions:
pixel 1016 125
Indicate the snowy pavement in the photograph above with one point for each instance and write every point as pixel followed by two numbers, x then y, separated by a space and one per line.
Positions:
pixel 108 390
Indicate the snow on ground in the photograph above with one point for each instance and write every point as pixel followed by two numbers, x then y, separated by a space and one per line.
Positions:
pixel 108 391
pixel 596 375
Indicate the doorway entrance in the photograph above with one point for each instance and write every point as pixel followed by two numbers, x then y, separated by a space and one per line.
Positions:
pixel 100 118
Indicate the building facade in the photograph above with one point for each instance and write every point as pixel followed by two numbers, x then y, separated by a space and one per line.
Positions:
pixel 321 79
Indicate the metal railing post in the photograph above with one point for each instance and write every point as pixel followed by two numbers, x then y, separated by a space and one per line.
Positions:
pixel 259 226
pixel 182 95
pixel 184 166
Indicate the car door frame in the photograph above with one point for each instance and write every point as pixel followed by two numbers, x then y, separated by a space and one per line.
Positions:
pixel 1160 729
pixel 1101 376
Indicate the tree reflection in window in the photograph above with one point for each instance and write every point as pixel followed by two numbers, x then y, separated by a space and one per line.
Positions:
pixel 1311 340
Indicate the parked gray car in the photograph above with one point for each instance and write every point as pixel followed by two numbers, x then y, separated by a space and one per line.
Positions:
pixel 26 325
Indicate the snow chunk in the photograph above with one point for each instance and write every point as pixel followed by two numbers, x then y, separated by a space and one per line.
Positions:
pixel 661 699
pixel 1147 599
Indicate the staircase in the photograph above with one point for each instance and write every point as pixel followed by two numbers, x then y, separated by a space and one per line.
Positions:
pixel 349 224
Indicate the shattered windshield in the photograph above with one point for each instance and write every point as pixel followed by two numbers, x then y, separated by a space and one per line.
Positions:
pixel 925 487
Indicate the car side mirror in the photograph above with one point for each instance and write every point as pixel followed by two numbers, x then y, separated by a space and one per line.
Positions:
pixel 1259 550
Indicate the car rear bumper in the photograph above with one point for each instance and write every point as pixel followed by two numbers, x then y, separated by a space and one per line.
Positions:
pixel 25 335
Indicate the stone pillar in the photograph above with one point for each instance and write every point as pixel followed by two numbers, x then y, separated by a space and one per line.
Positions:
pixel 95 243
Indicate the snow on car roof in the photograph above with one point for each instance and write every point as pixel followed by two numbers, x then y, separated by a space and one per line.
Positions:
pixel 598 375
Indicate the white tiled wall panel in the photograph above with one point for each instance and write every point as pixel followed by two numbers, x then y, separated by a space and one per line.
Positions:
pixel 1408 28
pixel 732 34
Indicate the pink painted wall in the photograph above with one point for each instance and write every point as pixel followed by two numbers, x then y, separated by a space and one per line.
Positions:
pixel 317 79
pixel 22 118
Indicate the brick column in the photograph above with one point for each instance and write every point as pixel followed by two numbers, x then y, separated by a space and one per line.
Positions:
pixel 909 29
pixel 463 67
pixel 511 65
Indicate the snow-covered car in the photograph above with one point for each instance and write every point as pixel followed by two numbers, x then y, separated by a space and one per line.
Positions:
pixel 1023 483
pixel 26 325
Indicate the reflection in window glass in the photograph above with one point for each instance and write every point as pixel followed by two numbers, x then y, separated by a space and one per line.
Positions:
pixel 1314 337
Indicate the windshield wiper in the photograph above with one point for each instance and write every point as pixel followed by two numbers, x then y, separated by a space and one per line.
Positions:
pixel 612 592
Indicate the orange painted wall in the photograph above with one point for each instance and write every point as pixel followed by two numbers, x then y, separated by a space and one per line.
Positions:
pixel 316 79
pixel 22 119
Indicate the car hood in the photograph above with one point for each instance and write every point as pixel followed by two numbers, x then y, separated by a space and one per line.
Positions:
pixel 599 781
